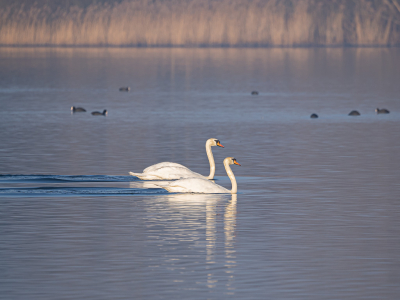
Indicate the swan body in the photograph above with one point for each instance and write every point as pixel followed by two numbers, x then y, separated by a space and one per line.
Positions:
pixel 195 185
pixel 171 171
pixel 163 165
pixel 202 185
pixel 168 173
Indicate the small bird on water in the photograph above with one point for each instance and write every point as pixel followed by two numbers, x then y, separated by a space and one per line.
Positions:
pixel 77 109
pixel 314 116
pixel 97 113
pixel 354 113
pixel 381 111
pixel 124 89
pixel 254 93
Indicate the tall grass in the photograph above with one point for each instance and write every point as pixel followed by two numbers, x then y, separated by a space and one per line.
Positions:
pixel 204 23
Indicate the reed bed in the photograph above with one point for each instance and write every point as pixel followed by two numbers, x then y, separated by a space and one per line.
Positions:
pixel 193 23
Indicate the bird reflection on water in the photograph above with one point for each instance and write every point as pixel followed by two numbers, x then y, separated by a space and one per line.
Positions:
pixel 192 213
pixel 211 238
pixel 230 235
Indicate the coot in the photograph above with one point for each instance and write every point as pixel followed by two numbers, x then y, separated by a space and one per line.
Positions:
pixel 97 113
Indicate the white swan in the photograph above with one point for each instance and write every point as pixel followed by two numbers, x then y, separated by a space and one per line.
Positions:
pixel 201 185
pixel 170 171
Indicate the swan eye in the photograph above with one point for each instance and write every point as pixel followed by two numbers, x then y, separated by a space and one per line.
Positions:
pixel 218 143
pixel 235 162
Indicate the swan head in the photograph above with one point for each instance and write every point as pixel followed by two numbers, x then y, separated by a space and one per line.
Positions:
pixel 231 161
pixel 215 142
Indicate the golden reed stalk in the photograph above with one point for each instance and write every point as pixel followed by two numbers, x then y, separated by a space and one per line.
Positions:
pixel 232 23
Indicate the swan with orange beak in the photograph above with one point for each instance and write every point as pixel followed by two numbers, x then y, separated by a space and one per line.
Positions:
pixel 202 185
pixel 171 171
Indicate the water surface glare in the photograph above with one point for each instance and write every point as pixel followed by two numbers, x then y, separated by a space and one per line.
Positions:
pixel 317 215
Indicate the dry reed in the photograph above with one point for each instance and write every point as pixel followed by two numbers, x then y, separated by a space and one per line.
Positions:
pixel 205 23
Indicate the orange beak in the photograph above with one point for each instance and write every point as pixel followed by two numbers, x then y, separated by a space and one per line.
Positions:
pixel 236 163
pixel 220 145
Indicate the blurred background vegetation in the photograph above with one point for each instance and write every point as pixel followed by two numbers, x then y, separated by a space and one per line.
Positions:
pixel 232 23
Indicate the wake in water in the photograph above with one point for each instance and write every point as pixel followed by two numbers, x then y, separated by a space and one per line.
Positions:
pixel 68 178
pixel 7 181
pixel 77 191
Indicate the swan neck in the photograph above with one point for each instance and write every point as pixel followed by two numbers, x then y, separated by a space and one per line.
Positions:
pixel 210 160
pixel 231 177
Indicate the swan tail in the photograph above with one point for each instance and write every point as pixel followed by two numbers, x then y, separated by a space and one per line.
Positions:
pixel 162 184
pixel 176 189
pixel 135 174
pixel 144 176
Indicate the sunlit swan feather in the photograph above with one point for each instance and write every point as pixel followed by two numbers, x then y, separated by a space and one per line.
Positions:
pixel 204 186
pixel 171 171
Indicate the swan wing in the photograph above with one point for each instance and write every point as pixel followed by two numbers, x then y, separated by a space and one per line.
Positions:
pixel 168 173
pixel 195 185
pixel 162 165
pixel 148 184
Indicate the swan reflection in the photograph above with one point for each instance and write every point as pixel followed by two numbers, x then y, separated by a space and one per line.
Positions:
pixel 206 223
pixel 211 238
pixel 230 234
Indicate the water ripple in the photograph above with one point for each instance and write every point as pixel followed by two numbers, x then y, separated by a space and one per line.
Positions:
pixel 69 178
pixel 77 191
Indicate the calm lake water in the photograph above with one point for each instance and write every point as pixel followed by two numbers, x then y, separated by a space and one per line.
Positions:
pixel 317 215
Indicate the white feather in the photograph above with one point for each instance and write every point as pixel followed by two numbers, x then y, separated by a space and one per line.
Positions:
pixel 171 171
pixel 203 185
